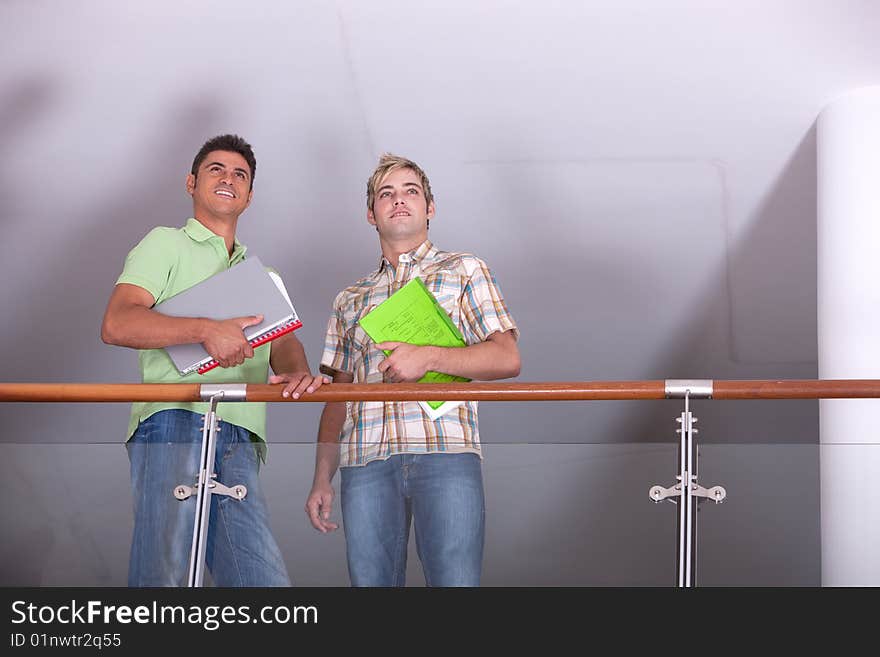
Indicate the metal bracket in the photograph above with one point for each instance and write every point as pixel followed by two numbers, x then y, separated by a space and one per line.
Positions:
pixel 205 485
pixel 693 388
pixel 239 491
pixel 228 392
pixel 657 493
pixel 182 491
pixel 716 493
pixel 687 494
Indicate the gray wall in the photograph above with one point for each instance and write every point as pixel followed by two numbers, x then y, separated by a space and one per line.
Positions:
pixel 641 177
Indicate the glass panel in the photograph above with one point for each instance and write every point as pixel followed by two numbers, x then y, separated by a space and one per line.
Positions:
pixel 559 513
pixel 556 515
pixel 767 530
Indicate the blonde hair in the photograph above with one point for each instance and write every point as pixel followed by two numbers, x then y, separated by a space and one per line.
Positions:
pixel 388 163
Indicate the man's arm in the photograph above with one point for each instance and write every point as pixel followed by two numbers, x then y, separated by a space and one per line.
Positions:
pixel 495 358
pixel 129 321
pixel 320 501
pixel 288 360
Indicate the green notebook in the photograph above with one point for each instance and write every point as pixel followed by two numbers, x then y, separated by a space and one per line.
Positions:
pixel 413 315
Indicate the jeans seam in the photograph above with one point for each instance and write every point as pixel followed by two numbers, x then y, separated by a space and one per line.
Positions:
pixel 400 551
pixel 233 551
pixel 400 578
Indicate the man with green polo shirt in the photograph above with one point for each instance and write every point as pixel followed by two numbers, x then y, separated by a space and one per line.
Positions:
pixel 165 438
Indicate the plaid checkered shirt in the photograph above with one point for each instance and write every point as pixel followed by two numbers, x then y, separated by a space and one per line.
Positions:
pixel 466 289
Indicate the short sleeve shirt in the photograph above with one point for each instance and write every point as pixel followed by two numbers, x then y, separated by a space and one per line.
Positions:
pixel 168 261
pixel 467 290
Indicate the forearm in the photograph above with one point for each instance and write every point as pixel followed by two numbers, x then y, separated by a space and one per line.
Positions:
pixel 288 355
pixel 496 358
pixel 142 328
pixel 327 452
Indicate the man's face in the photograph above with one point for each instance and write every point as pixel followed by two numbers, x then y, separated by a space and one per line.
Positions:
pixel 222 186
pixel 399 209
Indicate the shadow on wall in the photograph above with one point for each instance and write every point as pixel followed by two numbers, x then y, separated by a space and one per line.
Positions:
pixel 721 337
pixel 761 293
pixel 153 195
pixel 732 329
pixel 76 282
pixel 21 106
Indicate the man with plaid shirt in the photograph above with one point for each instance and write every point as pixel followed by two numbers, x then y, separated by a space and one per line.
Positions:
pixel 397 464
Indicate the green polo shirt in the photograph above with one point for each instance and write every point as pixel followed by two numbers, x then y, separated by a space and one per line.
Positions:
pixel 168 261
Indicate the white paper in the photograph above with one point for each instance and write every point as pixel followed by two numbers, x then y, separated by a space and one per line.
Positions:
pixel 280 285
pixel 444 408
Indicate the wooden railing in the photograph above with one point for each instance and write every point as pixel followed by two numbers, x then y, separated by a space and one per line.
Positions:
pixel 483 391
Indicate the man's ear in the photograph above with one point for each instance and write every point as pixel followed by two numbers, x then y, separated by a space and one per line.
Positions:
pixel 371 219
pixel 430 214
pixel 190 184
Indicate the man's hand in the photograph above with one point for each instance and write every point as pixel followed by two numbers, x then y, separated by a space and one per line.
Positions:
pixel 298 383
pixel 318 507
pixel 406 363
pixel 226 342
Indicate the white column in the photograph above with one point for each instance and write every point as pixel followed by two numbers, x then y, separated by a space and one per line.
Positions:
pixel 848 289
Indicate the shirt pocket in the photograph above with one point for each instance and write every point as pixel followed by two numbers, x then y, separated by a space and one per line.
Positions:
pixel 449 302
pixel 356 334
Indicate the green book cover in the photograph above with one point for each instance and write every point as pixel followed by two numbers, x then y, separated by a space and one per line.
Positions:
pixel 413 315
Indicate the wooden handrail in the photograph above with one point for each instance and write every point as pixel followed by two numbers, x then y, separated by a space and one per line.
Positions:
pixel 797 389
pixel 482 391
pixel 98 392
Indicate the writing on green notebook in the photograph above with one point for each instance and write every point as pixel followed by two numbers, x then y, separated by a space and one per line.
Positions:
pixel 413 315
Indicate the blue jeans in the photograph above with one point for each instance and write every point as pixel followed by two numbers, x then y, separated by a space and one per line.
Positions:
pixel 165 451
pixel 442 494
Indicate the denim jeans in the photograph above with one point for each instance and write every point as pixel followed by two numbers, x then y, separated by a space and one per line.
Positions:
pixel 442 494
pixel 165 451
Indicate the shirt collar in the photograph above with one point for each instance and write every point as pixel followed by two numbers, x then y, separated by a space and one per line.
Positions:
pixel 422 252
pixel 197 231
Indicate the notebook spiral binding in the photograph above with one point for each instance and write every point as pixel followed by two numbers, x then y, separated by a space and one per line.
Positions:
pixel 261 339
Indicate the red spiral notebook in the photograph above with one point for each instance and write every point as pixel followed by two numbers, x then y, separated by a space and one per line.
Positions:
pixel 244 289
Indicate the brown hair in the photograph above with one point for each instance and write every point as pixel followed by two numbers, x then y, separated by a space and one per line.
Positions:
pixel 388 163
